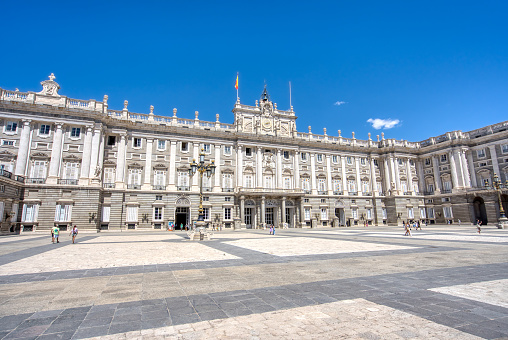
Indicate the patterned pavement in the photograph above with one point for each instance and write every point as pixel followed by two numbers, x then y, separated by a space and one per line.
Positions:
pixel 356 283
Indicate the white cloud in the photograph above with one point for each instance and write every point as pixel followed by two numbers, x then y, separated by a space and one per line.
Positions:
pixel 383 123
pixel 339 103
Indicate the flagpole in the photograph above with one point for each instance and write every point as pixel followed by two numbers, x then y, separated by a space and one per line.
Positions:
pixel 237 86
pixel 290 106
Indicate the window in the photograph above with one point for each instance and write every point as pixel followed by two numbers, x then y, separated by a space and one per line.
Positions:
pixel 159 197
pixel 75 132
pixel 206 148
pixel 447 185
pixel 136 142
pixel 427 161
pixel 365 186
pixel 157 213
pixel 71 171
pixel 287 182
pixel 307 214
pixel 63 213
pixel 306 183
pixel 44 130
pixel 159 178
pixel 334 159
pixel 403 184
pixel 227 181
pixel 354 213
pixel 337 185
pixel 11 127
pixel 132 213
pixel 109 175
pixel 430 212
pixel 385 214
pixel 111 140
pixel 362 161
pixel 319 157
pixel 248 152
pixel 369 214
pixel 227 150
pixel 321 184
pixel 351 185
pixel 415 187
pixel 161 144
pixel 443 158
pixel 268 182
pixel 185 146
pixel 305 200
pixel 227 213
pixel 410 213
pixel 349 160
pixel 303 156
pixel 379 187
pixel 248 181
pixel 183 179
pixel 227 199
pixel 324 214
pixel 38 169
pixel 206 199
pixel 376 163
pixel 323 200
pixel 482 164
pixel 106 211
pixel 422 213
pixel 447 211
pixel 30 213
pixel 8 142
pixel 504 148
pixel 286 154
pixel 480 153
pixel 206 214
pixel 135 176
pixel 412 162
pixel 399 161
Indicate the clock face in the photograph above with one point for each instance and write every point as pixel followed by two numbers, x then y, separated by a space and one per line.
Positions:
pixel 267 123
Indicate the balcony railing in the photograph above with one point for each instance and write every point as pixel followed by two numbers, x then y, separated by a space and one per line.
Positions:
pixel 353 193
pixel 408 193
pixel 109 185
pixel 5 173
pixel 182 188
pixel 338 193
pixel 431 192
pixel 36 180
pixel 207 189
pixel 159 187
pixel 68 181
pixel 134 186
pixel 20 179
pixel 446 191
pixel 228 189
pixel 307 192
pixel 322 192
pixel 366 193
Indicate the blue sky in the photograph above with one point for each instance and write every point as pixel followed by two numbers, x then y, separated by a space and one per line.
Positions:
pixel 435 66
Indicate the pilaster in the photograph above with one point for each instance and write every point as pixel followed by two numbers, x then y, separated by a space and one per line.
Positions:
pixel 56 155
pixel 148 165
pixel 23 149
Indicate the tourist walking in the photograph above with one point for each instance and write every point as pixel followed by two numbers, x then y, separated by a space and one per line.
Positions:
pixel 56 234
pixel 479 226
pixel 74 233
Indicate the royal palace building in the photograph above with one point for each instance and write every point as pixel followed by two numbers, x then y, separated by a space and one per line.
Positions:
pixel 67 161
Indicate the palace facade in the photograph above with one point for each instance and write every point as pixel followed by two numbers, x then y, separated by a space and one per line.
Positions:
pixel 66 161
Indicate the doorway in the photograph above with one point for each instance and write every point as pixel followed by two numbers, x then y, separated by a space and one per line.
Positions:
pixel 339 213
pixel 269 216
pixel 181 217
pixel 480 213
pixel 289 217
pixel 248 218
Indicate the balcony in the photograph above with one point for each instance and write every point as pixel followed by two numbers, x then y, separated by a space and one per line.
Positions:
pixel 68 181
pixel 36 180
pixel 322 192
pixel 228 189
pixel 183 188
pixel 270 191
pixel 366 193
pixel 20 178
pixel 134 186
pixel 353 193
pixel 307 192
pixel 207 189
pixel 109 185
pixel 428 192
pixel 338 193
pixel 158 187
pixel 446 191
pixel 408 193
pixel 5 173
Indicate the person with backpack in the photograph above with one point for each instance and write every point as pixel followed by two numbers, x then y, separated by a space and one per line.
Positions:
pixel 56 234
pixel 74 233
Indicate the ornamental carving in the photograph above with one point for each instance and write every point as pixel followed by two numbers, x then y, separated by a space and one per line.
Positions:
pixel 50 87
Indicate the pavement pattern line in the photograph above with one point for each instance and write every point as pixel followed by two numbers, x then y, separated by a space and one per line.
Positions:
pixel 493 292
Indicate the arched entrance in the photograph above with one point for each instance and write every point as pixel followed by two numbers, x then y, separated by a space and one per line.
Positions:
pixel 182 213
pixel 504 201
pixel 339 212
pixel 480 213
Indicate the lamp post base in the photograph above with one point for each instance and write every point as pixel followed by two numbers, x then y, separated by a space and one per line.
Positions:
pixel 502 223
pixel 200 233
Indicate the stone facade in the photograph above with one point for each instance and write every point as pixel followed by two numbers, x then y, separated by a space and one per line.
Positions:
pixel 78 162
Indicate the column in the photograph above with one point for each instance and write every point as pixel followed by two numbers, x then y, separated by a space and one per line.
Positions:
pixel 297 170
pixel 242 212
pixel 217 176
pixel 283 212
pixel 262 210
pixel 259 167
pixel 373 180
pixel 120 162
pixel 172 166
pixel 386 171
pixel 358 180
pixel 239 166
pixel 471 168
pixel 148 164
pixel 96 141
pixel 101 151
pixel 85 162
pixel 458 167
pixel 313 173
pixel 465 169
pixel 302 213
pixel 421 176
pixel 279 169
pixel 493 157
pixel 24 144
pixel 329 175
pixel 437 175
pixel 397 174
pixel 344 179
pixel 195 155
pixel 56 154
pixel 455 181
pixel 409 176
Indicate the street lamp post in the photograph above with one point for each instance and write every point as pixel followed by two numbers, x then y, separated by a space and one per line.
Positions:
pixel 503 221
pixel 204 169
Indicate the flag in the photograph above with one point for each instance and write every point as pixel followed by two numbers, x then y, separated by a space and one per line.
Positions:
pixel 236 84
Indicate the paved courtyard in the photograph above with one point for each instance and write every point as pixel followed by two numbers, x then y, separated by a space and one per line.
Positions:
pixel 444 282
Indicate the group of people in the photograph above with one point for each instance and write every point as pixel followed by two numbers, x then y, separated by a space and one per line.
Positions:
pixel 55 234
pixel 272 229
pixel 411 224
